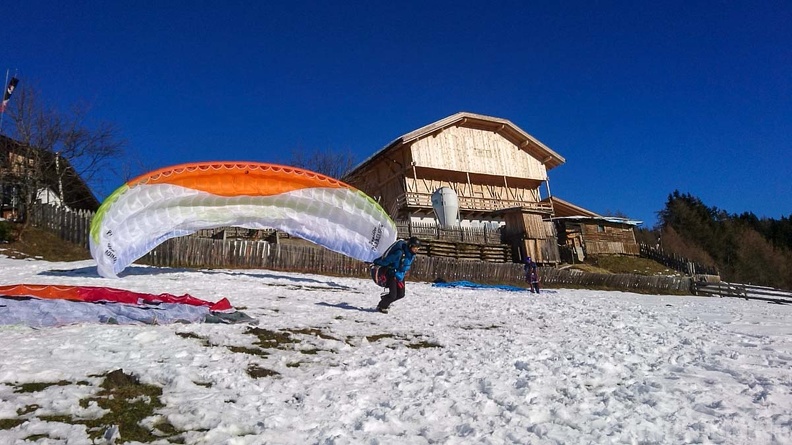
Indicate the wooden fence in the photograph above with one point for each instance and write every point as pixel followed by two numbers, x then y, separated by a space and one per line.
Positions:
pixel 196 252
pixel 676 262
pixel 455 243
pixel 746 291
pixel 192 252
pixel 69 225
pixel 659 284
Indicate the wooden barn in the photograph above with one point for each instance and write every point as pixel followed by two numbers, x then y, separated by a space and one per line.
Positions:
pixel 584 233
pixel 496 171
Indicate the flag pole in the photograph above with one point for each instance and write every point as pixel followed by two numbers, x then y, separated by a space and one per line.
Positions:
pixel 2 115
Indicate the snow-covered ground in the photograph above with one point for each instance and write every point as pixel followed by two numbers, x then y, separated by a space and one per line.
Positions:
pixel 446 366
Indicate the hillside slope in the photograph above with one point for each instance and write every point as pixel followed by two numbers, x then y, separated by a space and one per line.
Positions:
pixel 38 243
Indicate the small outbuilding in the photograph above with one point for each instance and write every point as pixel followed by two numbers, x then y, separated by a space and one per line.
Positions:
pixel 583 233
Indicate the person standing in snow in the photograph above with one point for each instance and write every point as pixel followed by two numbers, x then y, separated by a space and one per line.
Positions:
pixel 534 280
pixel 531 274
pixel 528 266
pixel 396 262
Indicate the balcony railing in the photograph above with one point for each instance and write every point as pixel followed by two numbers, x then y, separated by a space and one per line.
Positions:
pixel 466 203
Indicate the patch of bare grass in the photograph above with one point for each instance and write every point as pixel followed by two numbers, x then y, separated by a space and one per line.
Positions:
pixel 38 243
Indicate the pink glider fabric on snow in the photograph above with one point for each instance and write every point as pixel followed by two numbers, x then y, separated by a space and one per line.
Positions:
pixel 95 294
pixel 41 306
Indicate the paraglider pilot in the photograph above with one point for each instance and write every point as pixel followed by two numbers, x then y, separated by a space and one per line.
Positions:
pixel 396 262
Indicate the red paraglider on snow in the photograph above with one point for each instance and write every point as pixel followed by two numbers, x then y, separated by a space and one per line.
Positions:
pixel 55 305
pixel 94 294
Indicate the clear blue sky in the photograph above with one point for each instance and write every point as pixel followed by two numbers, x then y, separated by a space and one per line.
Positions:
pixel 641 98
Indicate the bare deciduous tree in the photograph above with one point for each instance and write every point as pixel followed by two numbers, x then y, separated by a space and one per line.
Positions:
pixel 53 148
pixel 331 163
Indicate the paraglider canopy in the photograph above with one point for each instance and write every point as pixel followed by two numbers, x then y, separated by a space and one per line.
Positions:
pixel 180 200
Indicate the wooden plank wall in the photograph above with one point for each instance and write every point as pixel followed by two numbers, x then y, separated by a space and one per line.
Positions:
pixel 612 240
pixel 542 251
pixel 384 179
pixel 535 237
pixel 477 151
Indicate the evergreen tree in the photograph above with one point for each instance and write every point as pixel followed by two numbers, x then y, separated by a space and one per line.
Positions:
pixel 743 247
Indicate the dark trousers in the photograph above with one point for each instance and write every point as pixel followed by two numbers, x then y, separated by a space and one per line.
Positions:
pixel 395 292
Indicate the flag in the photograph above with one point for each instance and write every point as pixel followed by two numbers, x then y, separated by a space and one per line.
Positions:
pixel 9 90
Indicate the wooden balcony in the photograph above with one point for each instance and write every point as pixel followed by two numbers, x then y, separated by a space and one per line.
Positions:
pixel 412 200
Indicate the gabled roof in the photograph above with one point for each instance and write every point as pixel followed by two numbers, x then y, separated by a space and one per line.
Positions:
pixel 610 219
pixel 77 194
pixel 566 210
pixel 563 208
pixel 504 127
